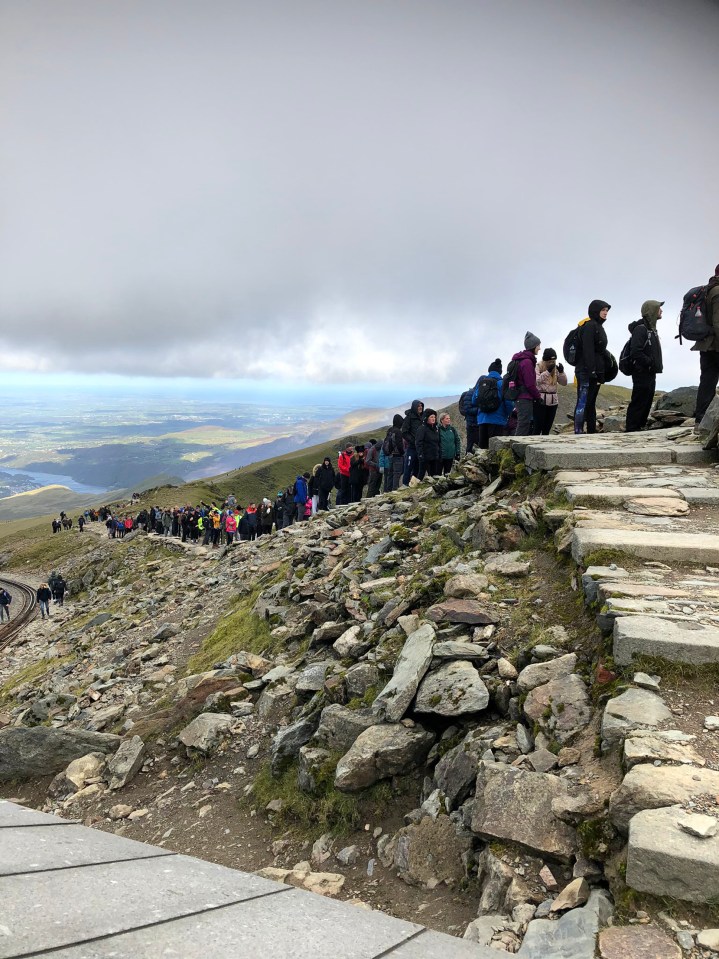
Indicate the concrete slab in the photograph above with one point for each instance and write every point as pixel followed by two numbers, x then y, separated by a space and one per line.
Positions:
pixel 676 642
pixel 295 924
pixel 37 848
pixel 49 910
pixel 693 456
pixel 434 945
pixel 648 544
pixel 696 496
pixel 13 815
pixel 665 860
pixel 588 494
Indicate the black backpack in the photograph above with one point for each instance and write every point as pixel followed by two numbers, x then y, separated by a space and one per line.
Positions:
pixel 625 358
pixel 510 387
pixel 692 318
pixel 571 346
pixel 486 394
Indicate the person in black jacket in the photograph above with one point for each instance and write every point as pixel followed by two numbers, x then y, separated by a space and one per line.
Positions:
pixel 359 475
pixel 428 446
pixel 325 481
pixel 646 358
pixel 43 597
pixel 393 447
pixel 279 510
pixel 591 365
pixel 410 426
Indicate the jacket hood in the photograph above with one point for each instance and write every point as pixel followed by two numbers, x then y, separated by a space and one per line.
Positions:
pixel 414 408
pixel 427 413
pixel 525 355
pixel 397 421
pixel 596 307
pixel 632 326
pixel 712 283
pixel 650 312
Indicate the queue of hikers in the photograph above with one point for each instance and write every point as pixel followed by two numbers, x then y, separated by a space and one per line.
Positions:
pixel 523 400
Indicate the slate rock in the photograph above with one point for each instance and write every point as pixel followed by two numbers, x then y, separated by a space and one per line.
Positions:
pixel 573 936
pixel 361 678
pixel 456 772
pixel 351 644
pixel 461 611
pixel 466 586
pixel 41 751
pixel 381 752
pixel 652 787
pixel 413 663
pixel 311 762
pixel 454 689
pixel 507 564
pixel 637 942
pixel 206 731
pixel 78 772
pixel 576 893
pixel 633 709
pixel 561 707
pixel 516 805
pixel 339 726
pixel 288 741
pixel 537 674
pixel 126 763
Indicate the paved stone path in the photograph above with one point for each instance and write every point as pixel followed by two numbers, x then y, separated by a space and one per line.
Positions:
pixel 652 500
pixel 69 892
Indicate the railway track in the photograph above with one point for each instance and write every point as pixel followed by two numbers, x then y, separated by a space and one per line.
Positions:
pixel 8 631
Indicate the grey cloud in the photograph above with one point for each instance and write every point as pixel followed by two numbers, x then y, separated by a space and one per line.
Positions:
pixel 397 189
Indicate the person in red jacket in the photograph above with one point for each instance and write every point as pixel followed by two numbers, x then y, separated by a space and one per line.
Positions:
pixel 343 465
pixel 526 380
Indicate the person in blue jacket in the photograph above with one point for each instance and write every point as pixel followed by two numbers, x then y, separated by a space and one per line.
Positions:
pixel 300 495
pixel 494 423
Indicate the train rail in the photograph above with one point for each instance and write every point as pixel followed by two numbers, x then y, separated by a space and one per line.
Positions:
pixel 8 631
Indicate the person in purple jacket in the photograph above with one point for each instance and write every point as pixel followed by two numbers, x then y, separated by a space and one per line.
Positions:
pixel 526 380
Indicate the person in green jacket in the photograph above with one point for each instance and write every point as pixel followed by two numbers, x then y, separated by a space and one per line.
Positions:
pixel 450 446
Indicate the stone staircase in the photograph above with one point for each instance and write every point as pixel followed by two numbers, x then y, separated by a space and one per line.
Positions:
pixel 649 502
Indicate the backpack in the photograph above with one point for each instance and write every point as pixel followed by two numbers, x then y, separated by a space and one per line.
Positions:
pixel 692 318
pixel 625 358
pixel 389 444
pixel 486 394
pixel 510 387
pixel 571 346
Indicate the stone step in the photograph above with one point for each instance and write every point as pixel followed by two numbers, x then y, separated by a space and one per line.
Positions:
pixel 589 494
pixel 673 641
pixel 579 456
pixel 648 544
pixel 663 859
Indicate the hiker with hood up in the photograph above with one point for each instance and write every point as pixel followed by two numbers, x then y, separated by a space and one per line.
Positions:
pixel 429 452
pixel 410 425
pixel 359 474
pixel 526 381
pixel 550 375
pixel 493 422
pixel 709 351
pixel 645 354
pixel 325 483
pixel 371 456
pixel 393 448
pixel 592 365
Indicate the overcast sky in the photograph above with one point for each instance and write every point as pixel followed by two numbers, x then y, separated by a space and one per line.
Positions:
pixel 332 191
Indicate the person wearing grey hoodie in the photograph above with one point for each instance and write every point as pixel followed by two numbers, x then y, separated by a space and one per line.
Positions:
pixel 645 353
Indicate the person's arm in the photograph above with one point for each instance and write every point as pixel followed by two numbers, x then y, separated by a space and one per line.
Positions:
pixel 529 379
pixel 457 444
pixel 419 442
pixel 589 355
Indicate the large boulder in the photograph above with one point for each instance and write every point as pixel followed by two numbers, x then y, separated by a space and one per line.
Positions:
pixel 456 688
pixel 516 806
pixel 40 751
pixel 381 752
pixel 681 400
pixel 206 731
pixel 413 663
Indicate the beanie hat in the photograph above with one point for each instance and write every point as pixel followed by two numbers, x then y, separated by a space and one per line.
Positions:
pixel 531 342
pixel 495 367
pixel 549 354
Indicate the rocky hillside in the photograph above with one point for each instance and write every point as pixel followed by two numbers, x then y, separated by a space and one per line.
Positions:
pixel 401 702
